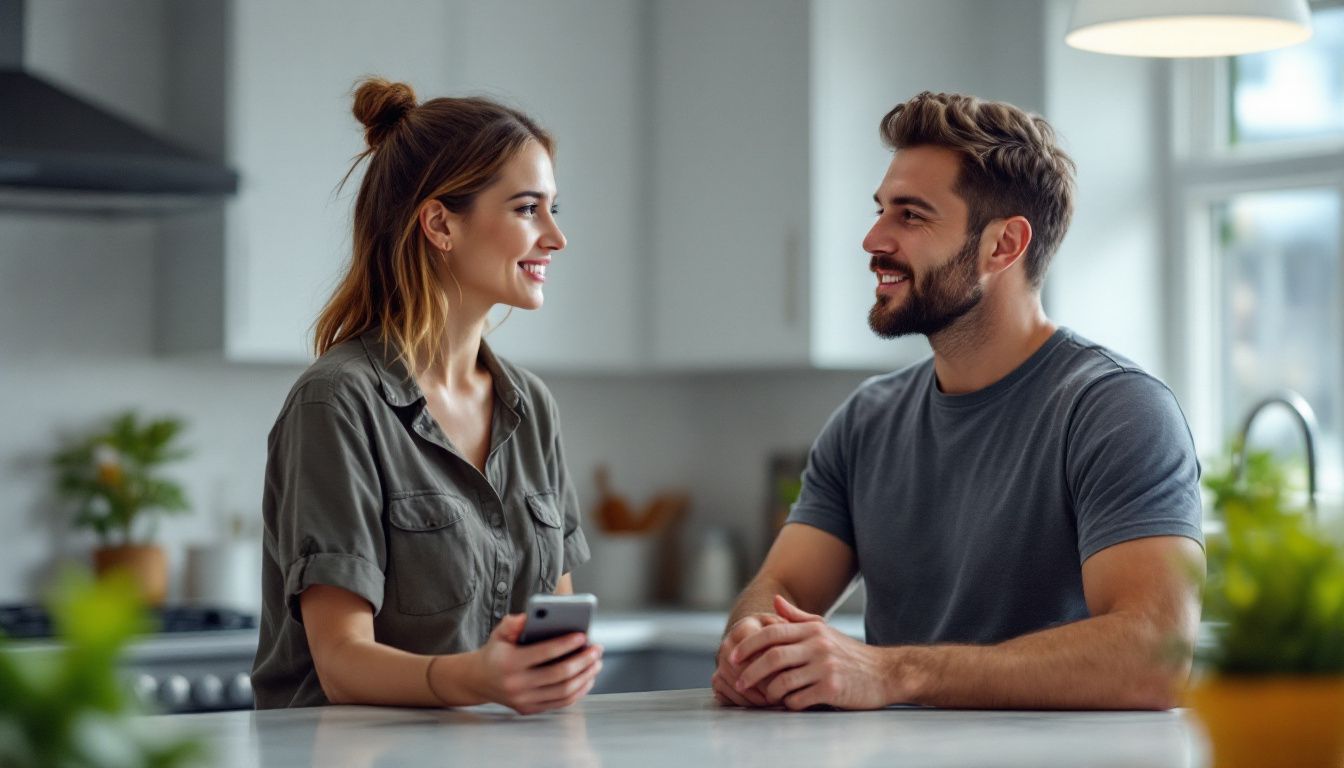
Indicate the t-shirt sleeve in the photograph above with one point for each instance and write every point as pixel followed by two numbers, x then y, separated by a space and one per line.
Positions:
pixel 1131 464
pixel 823 501
pixel 575 543
pixel 326 526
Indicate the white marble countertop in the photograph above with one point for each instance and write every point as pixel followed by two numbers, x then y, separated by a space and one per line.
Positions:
pixel 680 728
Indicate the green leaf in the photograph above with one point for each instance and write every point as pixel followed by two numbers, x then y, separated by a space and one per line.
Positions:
pixel 1275 580
pixel 66 708
pixel 112 477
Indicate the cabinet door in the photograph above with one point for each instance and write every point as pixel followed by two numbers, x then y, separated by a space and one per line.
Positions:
pixel 576 68
pixel 726 277
pixel 292 137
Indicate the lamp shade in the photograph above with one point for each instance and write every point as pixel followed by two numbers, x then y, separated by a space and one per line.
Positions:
pixel 1187 28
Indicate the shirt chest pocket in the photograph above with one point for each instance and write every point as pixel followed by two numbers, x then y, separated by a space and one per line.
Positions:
pixel 432 554
pixel 549 535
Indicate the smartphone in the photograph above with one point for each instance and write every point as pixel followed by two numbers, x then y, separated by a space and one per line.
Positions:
pixel 551 616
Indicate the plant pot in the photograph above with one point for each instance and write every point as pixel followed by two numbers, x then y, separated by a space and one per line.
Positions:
pixel 1263 721
pixel 146 564
pixel 225 575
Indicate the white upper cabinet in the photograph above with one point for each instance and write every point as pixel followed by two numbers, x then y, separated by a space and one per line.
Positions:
pixel 250 284
pixel 725 278
pixel 767 155
pixel 291 136
pixel 716 162
pixel 576 67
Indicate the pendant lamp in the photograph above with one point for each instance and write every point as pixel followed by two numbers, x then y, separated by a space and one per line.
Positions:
pixel 1187 28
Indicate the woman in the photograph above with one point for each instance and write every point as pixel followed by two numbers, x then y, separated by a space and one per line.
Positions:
pixel 416 493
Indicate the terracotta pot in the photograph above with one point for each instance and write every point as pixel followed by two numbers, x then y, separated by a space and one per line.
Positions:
pixel 146 564
pixel 1264 721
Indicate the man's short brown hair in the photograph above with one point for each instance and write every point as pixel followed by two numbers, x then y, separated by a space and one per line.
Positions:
pixel 1011 164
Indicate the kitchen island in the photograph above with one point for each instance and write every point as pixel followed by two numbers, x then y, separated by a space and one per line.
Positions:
pixel 680 728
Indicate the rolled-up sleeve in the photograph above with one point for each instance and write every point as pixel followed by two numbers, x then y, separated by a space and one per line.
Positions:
pixel 327 521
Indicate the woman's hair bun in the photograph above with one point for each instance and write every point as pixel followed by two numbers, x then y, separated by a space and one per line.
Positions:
pixel 380 105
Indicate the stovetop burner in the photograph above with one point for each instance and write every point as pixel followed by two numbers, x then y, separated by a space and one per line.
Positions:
pixel 27 621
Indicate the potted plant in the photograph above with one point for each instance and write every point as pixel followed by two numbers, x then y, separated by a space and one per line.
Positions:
pixel 66 705
pixel 1271 688
pixel 112 476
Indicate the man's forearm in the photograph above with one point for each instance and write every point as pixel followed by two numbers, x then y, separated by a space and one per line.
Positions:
pixel 758 597
pixel 1113 661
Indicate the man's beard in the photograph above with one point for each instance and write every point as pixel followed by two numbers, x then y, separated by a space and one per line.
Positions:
pixel 945 294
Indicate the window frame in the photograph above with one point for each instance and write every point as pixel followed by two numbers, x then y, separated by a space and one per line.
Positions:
pixel 1203 170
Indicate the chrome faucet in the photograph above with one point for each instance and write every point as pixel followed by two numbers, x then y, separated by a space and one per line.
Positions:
pixel 1306 419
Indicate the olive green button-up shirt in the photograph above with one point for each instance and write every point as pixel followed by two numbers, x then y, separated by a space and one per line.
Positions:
pixel 365 492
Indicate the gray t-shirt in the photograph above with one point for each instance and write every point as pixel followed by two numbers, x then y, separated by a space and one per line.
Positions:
pixel 365 492
pixel 971 515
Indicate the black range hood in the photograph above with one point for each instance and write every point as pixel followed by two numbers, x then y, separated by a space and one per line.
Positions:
pixel 59 152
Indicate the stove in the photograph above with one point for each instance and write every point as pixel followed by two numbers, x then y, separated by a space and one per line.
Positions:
pixel 24 621
pixel 199 660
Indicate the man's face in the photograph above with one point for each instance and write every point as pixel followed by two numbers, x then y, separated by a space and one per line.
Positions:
pixel 927 267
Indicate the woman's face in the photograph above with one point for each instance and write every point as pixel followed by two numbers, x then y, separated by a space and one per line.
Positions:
pixel 502 246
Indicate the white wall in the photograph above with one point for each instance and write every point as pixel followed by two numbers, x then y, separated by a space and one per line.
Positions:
pixel 76 305
pixel 78 309
pixel 1106 281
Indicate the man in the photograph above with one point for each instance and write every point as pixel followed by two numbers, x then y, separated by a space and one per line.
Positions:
pixel 1023 507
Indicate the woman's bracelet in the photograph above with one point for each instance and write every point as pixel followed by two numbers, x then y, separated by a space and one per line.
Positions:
pixel 429 681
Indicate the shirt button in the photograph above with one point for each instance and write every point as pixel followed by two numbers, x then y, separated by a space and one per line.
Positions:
pixel 499 613
pixel 501 587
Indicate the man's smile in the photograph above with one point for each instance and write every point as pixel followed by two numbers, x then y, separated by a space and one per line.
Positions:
pixel 891 282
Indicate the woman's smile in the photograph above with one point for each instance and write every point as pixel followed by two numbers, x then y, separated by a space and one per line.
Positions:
pixel 535 269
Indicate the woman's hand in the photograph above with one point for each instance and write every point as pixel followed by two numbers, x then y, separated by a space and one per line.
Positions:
pixel 522 677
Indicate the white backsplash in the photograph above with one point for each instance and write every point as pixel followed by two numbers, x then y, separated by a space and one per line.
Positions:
pixel 76 308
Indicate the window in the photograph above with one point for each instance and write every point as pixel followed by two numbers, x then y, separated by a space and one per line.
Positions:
pixel 1278 254
pixel 1293 94
pixel 1258 173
